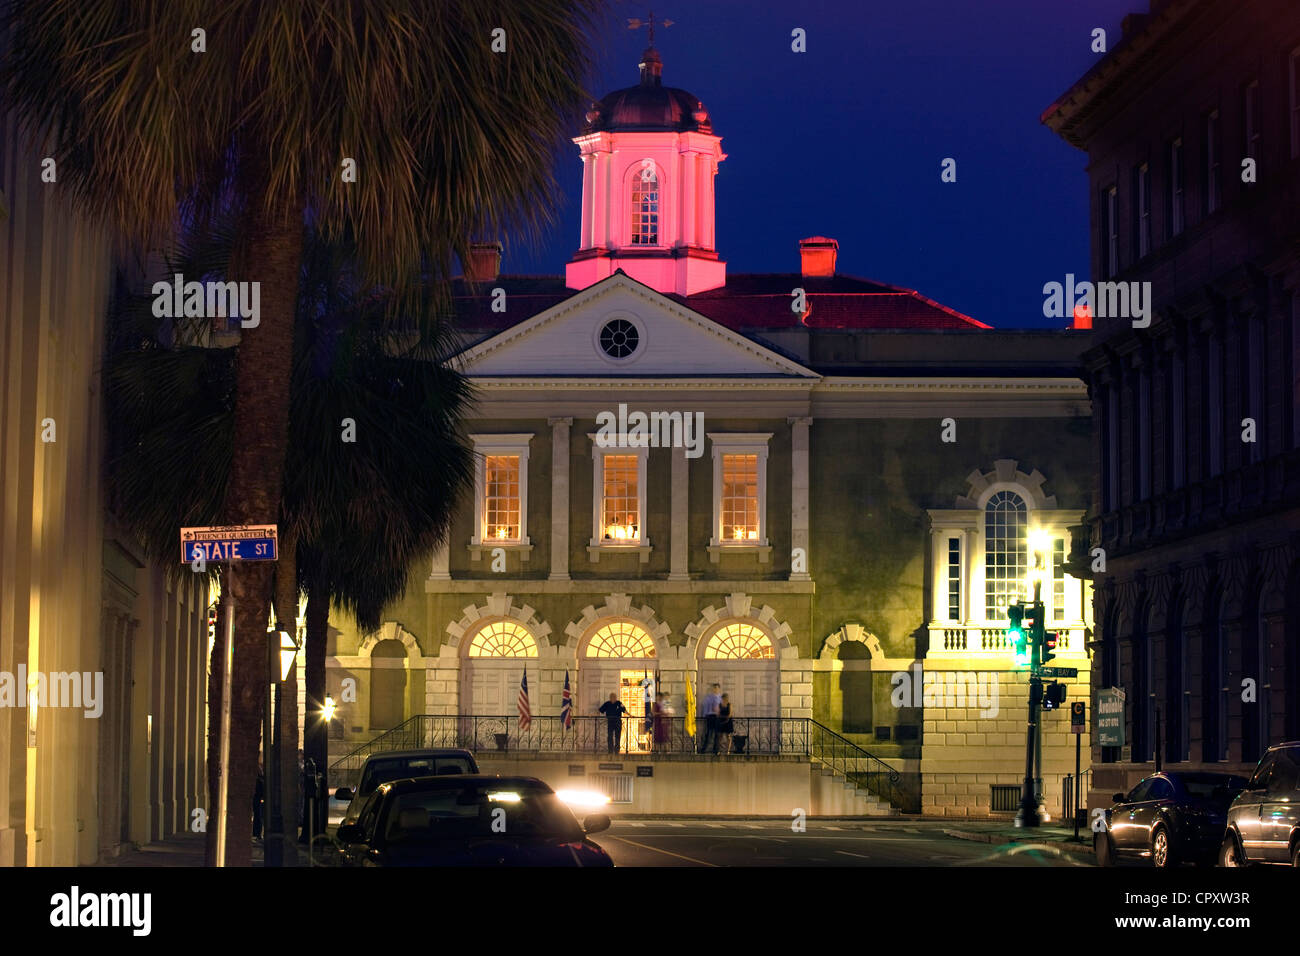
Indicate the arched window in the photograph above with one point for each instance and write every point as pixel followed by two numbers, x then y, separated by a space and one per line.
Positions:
pixel 1006 520
pixel 739 642
pixel 503 639
pixel 621 639
pixel 645 207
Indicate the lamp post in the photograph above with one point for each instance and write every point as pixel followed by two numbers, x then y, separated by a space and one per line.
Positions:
pixel 1028 815
pixel 281 664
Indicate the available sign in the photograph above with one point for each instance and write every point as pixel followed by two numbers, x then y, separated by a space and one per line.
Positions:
pixel 248 542
pixel 1110 717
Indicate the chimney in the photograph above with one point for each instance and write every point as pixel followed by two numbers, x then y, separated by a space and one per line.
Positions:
pixel 484 263
pixel 817 256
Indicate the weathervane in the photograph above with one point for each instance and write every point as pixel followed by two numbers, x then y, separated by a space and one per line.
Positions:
pixel 635 23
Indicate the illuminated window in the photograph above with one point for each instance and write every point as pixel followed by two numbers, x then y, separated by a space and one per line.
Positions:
pixel 645 207
pixel 739 489
pixel 503 639
pixel 1005 554
pixel 501 501
pixel 621 639
pixel 1058 579
pixel 739 642
pixel 501 490
pixel 618 505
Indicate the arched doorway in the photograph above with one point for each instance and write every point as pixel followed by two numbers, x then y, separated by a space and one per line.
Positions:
pixel 741 658
pixel 618 657
pixel 387 685
pixel 495 657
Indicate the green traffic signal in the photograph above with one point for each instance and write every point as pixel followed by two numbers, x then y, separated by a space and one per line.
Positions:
pixel 1016 635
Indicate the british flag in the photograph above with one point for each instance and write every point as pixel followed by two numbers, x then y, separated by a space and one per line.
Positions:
pixel 525 715
pixel 566 704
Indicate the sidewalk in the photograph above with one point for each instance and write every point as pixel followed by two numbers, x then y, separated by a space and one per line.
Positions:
pixel 181 849
pixel 1001 832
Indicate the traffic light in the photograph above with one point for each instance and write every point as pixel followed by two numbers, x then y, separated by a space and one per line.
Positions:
pixel 1016 635
pixel 1053 696
pixel 1048 650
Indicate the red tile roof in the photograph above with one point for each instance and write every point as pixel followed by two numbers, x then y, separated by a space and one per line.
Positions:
pixel 747 302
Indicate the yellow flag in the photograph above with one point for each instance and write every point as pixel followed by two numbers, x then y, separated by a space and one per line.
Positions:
pixel 690 709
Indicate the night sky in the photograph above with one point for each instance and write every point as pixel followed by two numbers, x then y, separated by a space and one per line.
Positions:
pixel 846 140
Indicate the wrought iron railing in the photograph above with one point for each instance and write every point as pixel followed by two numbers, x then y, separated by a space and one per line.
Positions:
pixel 636 737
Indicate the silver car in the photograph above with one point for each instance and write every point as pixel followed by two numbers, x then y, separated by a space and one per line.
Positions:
pixel 1264 820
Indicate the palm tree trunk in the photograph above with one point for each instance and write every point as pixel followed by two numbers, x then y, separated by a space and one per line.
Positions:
pixel 272 257
pixel 216 673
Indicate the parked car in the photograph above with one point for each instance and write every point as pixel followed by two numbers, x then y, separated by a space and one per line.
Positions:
pixel 1264 821
pixel 397 764
pixel 470 820
pixel 1169 818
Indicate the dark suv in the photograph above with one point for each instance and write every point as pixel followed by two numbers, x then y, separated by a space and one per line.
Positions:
pixel 1264 820
pixel 397 765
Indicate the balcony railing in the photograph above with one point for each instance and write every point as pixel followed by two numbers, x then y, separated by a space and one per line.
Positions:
pixel 990 639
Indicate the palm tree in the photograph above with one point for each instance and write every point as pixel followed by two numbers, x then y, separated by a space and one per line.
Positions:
pixel 355 515
pixel 152 124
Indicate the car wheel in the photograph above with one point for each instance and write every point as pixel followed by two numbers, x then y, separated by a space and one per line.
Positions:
pixel 1162 851
pixel 1230 852
pixel 1104 849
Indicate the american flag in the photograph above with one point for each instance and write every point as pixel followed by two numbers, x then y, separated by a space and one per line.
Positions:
pixel 525 715
pixel 566 705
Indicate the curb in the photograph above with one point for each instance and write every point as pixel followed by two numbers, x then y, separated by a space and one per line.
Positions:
pixel 1081 849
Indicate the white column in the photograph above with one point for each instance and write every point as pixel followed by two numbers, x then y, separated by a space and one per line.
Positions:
pixel 584 241
pixel 689 212
pixel 441 569
pixel 600 201
pixel 560 498
pixel 679 546
pixel 704 200
pixel 799 484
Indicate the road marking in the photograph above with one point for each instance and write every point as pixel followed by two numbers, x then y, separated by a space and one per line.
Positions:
pixel 832 828
pixel 633 823
pixel 655 849
pixel 678 825
pixel 847 853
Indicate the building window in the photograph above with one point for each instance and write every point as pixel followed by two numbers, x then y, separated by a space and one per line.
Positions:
pixel 619 479
pixel 1175 187
pixel 739 642
pixel 503 639
pixel 501 490
pixel 1006 520
pixel 1293 98
pixel 1058 579
pixel 954 579
pixel 1110 232
pixel 645 208
pixel 1142 187
pixel 621 639
pixel 740 489
pixel 619 338
pixel 1213 172
pixel 1250 120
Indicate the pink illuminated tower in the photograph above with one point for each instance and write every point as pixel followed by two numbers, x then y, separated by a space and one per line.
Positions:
pixel 649 156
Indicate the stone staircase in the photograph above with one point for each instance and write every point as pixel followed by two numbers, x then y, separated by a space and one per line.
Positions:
pixel 835 795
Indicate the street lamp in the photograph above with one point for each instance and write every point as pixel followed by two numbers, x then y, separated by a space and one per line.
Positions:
pixel 1038 541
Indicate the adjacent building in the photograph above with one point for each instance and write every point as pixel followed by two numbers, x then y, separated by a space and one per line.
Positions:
pixel 1191 124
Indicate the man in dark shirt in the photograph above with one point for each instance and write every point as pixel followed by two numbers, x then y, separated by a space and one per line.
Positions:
pixel 613 710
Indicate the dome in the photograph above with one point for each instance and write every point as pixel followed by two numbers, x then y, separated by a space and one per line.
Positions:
pixel 649 106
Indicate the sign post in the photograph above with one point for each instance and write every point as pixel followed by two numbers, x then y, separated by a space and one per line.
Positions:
pixel 227 545
pixel 1078 720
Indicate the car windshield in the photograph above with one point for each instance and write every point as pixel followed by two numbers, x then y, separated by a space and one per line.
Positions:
pixel 488 812
pixel 1212 786
pixel 399 768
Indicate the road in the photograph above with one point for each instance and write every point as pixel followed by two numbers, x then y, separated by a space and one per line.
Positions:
pixel 825 843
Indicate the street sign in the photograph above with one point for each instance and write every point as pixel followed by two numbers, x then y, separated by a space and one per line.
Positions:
pixel 1058 671
pixel 1078 717
pixel 1110 717
pixel 249 542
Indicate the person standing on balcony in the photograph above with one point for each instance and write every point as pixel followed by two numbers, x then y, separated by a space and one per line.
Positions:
pixel 725 726
pixel 613 710
pixel 659 710
pixel 709 707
